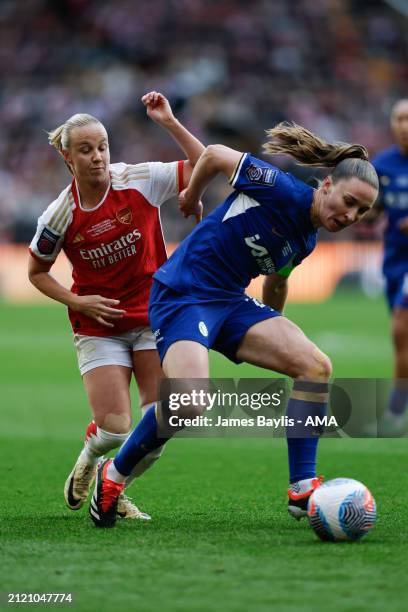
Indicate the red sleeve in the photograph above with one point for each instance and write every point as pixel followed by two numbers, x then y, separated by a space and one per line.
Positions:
pixel 180 175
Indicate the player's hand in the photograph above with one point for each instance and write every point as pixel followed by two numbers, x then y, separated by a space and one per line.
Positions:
pixel 158 108
pixel 99 308
pixel 190 206
pixel 403 225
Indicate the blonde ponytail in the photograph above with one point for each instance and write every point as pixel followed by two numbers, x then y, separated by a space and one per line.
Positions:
pixel 55 137
pixel 59 138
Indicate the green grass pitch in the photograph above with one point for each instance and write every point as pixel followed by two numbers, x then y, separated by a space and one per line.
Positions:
pixel 220 538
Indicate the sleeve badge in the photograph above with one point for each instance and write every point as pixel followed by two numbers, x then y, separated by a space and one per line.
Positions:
pixel 47 241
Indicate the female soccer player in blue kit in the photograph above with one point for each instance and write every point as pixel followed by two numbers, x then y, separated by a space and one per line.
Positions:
pixel 392 169
pixel 268 225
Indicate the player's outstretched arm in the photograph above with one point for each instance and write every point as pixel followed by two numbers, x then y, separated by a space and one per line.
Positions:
pixel 94 306
pixel 275 291
pixel 214 159
pixel 159 110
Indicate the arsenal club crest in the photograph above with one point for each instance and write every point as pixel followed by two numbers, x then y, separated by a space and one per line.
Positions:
pixel 124 215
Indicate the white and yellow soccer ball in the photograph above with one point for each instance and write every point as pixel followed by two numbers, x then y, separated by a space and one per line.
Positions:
pixel 342 509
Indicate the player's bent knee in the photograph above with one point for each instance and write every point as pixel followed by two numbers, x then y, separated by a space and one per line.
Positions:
pixel 317 366
pixel 114 423
pixel 327 367
pixel 323 367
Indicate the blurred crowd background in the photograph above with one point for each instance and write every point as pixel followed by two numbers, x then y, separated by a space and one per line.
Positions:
pixel 230 68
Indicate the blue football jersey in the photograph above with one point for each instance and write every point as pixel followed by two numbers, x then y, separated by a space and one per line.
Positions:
pixel 264 226
pixel 392 169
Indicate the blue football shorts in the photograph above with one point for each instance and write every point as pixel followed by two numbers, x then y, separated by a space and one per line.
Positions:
pixel 396 290
pixel 219 324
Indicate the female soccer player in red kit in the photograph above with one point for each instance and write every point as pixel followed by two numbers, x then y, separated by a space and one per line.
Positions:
pixel 107 222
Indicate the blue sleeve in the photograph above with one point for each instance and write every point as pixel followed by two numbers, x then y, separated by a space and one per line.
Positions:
pixel 263 182
pixel 376 162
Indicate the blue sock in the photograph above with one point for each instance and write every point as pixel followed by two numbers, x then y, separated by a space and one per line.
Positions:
pixel 141 441
pixel 398 401
pixel 307 399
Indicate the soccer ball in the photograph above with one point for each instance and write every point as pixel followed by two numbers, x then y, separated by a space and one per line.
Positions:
pixel 341 509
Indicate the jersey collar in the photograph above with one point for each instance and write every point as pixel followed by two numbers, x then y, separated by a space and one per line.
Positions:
pixel 77 197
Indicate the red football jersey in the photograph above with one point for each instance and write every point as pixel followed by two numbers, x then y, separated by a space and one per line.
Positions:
pixel 115 247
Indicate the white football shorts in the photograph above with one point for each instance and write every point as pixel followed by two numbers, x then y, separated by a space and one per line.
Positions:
pixel 95 351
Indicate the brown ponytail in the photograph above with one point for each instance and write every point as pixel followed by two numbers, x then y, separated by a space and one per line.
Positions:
pixel 309 149
pixel 348 160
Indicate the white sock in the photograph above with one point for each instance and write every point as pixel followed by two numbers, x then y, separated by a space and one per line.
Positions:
pixel 113 474
pixel 99 442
